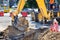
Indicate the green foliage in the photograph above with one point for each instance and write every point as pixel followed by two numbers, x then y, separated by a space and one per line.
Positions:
pixel 31 4
pixel 58 1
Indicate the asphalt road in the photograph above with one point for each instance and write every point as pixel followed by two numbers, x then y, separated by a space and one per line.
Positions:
pixel 4 22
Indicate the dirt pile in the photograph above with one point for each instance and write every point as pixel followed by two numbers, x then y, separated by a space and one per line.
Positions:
pixel 48 35
pixel 22 24
pixel 22 21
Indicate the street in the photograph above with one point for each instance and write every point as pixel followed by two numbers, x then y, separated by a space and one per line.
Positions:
pixel 4 22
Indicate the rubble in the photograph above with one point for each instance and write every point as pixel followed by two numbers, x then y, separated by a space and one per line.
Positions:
pixel 22 24
pixel 50 36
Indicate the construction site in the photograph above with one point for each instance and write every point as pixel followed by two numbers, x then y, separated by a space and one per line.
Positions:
pixel 29 19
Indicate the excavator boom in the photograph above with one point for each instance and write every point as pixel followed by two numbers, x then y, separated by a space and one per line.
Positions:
pixel 42 7
pixel 19 7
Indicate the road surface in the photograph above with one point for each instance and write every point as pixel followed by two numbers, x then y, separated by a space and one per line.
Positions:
pixel 4 22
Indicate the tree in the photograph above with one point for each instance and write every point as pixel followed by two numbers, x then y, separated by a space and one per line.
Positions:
pixel 31 4
pixel 58 1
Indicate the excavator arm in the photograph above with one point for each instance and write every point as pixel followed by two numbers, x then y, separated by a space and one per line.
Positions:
pixel 43 9
pixel 20 6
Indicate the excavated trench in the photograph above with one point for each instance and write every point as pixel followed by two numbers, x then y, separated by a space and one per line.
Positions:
pixel 16 33
pixel 40 34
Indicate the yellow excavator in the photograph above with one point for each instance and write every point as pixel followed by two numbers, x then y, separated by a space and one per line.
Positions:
pixel 43 10
pixel 40 4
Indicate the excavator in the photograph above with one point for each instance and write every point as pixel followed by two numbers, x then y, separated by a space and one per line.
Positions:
pixel 43 15
pixel 42 8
